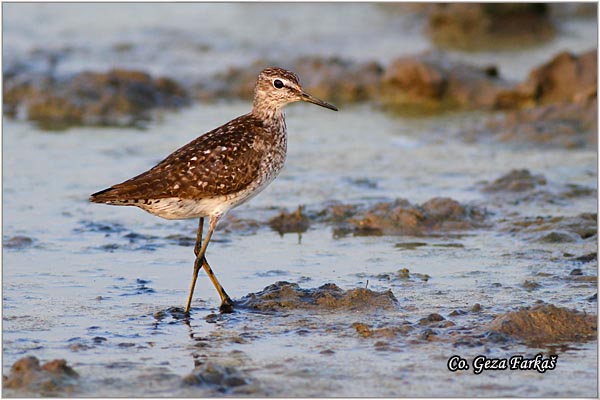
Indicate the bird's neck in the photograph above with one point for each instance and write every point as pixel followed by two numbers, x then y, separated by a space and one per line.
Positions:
pixel 269 115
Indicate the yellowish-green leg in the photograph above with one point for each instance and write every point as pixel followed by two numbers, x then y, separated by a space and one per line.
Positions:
pixel 200 261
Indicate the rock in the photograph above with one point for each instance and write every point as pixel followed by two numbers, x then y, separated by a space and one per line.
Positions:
pixel 558 237
pixel 565 124
pixel 557 105
pixel 497 337
pixel 531 285
pixel 339 212
pixel 565 78
pixel 423 82
pixel 428 335
pixel 55 378
pixel 432 82
pixel 410 245
pixel 556 229
pixel 442 208
pixel 17 242
pixel 286 296
pixel 515 181
pixel 574 190
pixel 366 331
pixel 234 83
pixel 476 308
pixel 118 97
pixel 219 377
pixel 472 26
pixel 181 240
pixel 405 274
pixel 338 80
pixel 576 272
pixel 584 225
pixel 546 324
pixel 401 218
pixel 331 78
pixel 296 222
pixel 587 257
pixel 434 317
pixel 240 225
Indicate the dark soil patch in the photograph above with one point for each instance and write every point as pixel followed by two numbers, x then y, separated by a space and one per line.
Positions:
pixel 472 26
pixel 294 222
pixel 283 295
pixel 218 377
pixel 431 82
pixel 54 378
pixel 17 242
pixel 517 180
pixel 399 217
pixel 546 324
pixel 367 331
pixel 116 98
pixel 555 229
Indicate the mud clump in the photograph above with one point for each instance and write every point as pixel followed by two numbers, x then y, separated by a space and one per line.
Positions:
pixel 224 379
pixel 557 104
pixel 403 276
pixel 522 186
pixel 17 242
pixel 556 229
pixel 422 82
pixel 288 296
pixel 558 237
pixel 470 26
pixel 339 80
pixel 116 98
pixel 546 324
pixel 295 222
pixel 51 379
pixel 239 225
pixel 573 190
pixel 566 77
pixel 587 258
pixel 332 78
pixel 402 218
pixel 432 82
pixel 565 125
pixel 366 331
pixel 515 181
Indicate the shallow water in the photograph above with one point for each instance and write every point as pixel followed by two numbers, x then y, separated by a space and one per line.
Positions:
pixel 78 282
pixel 96 284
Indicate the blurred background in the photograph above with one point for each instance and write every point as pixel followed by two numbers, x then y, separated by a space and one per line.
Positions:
pixel 460 176
pixel 392 54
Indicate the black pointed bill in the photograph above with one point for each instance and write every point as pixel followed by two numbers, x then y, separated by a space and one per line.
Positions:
pixel 307 97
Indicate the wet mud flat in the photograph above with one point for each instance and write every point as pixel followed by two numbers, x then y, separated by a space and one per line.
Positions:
pixel 449 210
pixel 368 288
pixel 328 336
pixel 415 305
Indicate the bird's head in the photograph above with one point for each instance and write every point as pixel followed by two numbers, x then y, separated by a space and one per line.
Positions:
pixel 276 87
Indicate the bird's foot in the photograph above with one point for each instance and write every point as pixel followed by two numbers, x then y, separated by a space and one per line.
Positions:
pixel 226 306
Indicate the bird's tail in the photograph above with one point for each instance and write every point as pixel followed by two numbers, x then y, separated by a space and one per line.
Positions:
pixel 107 196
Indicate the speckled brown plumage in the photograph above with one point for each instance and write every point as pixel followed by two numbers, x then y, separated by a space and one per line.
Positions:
pixel 220 169
pixel 220 162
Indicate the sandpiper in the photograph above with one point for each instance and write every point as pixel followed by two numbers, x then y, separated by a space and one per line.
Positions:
pixel 219 170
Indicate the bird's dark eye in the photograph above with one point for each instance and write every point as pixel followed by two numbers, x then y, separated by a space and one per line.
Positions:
pixel 277 83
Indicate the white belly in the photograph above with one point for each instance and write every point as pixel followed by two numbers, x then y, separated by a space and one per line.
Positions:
pixel 176 208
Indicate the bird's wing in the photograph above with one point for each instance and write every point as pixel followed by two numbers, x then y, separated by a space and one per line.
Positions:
pixel 220 162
